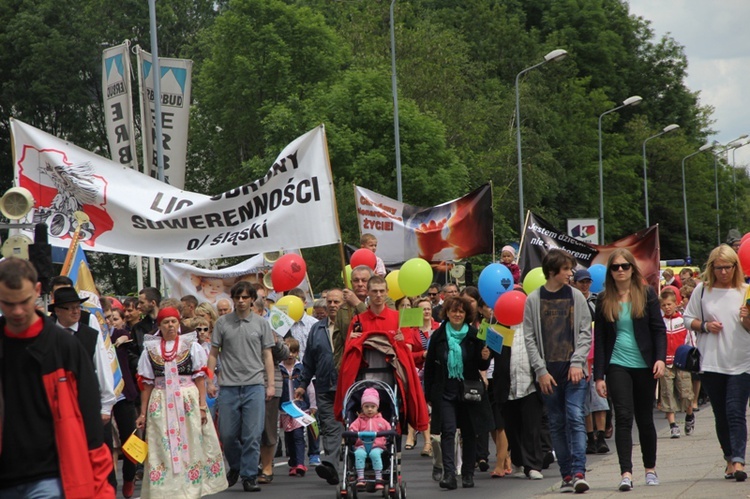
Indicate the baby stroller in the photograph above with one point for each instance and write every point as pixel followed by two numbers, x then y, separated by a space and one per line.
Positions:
pixel 394 487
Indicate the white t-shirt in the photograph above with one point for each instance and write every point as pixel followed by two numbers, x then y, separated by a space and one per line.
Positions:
pixel 729 351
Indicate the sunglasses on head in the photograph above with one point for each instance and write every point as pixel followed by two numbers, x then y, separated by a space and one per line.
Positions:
pixel 620 266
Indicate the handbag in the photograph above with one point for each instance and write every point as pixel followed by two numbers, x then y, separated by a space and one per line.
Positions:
pixel 473 390
pixel 135 449
pixel 687 358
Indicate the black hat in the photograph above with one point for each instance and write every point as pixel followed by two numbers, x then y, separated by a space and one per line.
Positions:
pixel 65 295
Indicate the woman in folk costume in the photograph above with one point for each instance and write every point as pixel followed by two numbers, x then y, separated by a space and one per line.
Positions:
pixel 184 458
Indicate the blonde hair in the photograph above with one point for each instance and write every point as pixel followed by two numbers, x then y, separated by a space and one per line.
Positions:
pixel 726 253
pixel 610 298
pixel 208 309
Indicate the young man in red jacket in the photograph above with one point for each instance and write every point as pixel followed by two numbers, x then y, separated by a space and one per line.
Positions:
pixel 48 380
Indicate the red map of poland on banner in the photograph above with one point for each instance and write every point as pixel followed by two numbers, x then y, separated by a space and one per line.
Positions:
pixel 456 229
pixel 63 189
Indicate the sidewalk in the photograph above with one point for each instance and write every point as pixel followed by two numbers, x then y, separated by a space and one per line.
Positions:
pixel 688 467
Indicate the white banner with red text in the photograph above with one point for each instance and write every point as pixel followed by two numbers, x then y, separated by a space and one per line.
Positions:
pixel 450 231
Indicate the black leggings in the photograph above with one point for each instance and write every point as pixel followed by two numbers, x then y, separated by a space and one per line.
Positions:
pixel 124 414
pixel 632 393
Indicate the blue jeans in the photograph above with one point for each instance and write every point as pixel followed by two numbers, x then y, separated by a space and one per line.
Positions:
pixel 49 488
pixel 376 456
pixel 295 446
pixel 729 395
pixel 242 411
pixel 565 410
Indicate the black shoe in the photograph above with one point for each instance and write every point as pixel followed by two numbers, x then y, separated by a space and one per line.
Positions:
pixel 601 444
pixel 590 444
pixel 437 473
pixel 467 481
pixel 232 477
pixel 483 465
pixel 251 485
pixel 327 472
pixel 549 458
pixel 449 482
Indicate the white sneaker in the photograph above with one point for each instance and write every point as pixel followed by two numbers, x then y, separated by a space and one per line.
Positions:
pixel 535 475
pixel 518 472
pixel 675 431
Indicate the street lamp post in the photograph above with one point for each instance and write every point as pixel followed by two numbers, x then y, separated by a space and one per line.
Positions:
pixel 666 129
pixel 554 56
pixel 630 101
pixel 734 176
pixel 716 183
pixel 684 196
pixel 394 88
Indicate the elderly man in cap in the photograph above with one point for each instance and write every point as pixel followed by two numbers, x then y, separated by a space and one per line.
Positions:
pixel 66 310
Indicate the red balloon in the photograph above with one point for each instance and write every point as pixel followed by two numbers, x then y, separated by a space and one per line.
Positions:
pixel 677 294
pixel 509 308
pixel 745 237
pixel 363 256
pixel 744 255
pixel 288 272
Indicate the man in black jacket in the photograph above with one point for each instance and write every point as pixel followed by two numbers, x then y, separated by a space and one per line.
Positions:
pixel 319 363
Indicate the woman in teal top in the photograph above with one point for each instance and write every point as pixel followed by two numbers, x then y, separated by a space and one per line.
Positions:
pixel 630 348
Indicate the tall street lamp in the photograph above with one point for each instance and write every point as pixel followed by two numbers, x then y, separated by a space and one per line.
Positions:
pixel 684 197
pixel 666 129
pixel 716 182
pixel 630 101
pixel 554 56
pixel 734 174
pixel 394 88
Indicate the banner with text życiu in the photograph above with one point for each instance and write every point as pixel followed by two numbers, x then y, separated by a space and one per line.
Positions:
pixel 130 213
pixel 450 231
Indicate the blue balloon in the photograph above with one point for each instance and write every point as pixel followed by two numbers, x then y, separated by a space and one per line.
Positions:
pixel 598 273
pixel 494 280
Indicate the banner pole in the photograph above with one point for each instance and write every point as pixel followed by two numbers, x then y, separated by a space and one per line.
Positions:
pixel 523 236
pixel 335 205
pixel 492 200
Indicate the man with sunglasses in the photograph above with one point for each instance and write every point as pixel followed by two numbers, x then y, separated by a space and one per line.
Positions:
pixel 244 341
pixel 437 303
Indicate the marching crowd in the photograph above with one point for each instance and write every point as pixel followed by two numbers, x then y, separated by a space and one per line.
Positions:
pixel 206 383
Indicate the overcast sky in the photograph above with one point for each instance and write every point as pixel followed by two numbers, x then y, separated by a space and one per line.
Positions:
pixel 716 38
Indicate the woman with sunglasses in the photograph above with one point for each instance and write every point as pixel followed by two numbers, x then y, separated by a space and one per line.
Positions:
pixel 630 349
pixel 718 311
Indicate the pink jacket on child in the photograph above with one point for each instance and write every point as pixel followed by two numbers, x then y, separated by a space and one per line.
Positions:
pixel 375 423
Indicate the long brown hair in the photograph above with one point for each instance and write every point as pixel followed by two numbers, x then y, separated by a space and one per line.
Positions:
pixel 610 298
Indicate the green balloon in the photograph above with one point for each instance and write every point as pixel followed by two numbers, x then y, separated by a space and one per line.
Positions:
pixel 415 277
pixel 533 280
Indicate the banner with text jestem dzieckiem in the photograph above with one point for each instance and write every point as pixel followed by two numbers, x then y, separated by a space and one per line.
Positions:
pixel 130 213
pixel 450 231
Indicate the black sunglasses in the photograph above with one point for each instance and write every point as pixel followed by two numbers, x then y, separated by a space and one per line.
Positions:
pixel 202 329
pixel 617 266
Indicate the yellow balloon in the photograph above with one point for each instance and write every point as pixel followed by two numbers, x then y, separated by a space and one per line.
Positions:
pixel 394 290
pixel 347 277
pixel 295 307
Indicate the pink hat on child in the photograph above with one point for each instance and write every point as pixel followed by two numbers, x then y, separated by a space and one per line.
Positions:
pixel 371 396
pixel 510 249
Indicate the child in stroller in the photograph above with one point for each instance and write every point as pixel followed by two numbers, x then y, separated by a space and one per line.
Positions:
pixel 369 454
pixel 369 420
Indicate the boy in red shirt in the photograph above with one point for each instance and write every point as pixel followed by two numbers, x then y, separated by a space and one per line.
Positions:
pixel 676 387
